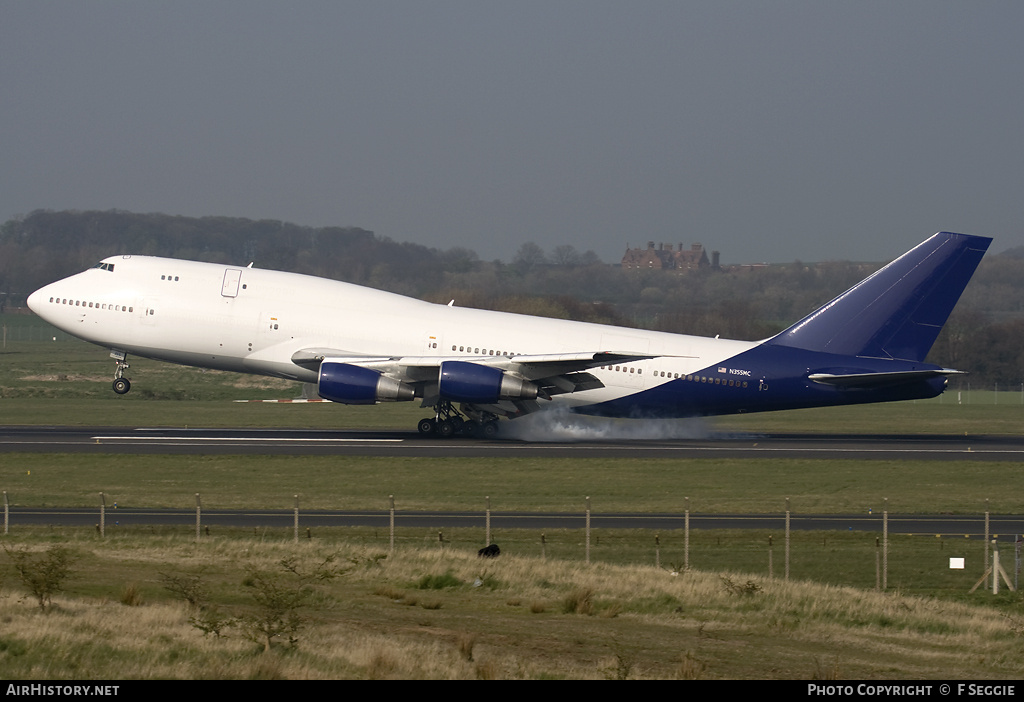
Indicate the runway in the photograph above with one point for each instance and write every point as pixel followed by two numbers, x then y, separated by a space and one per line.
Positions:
pixel 184 441
pixel 734 445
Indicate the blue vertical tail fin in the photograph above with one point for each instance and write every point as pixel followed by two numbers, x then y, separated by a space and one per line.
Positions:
pixel 897 312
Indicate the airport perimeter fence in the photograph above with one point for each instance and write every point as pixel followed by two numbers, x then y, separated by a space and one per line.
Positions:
pixel 13 333
pixel 878 550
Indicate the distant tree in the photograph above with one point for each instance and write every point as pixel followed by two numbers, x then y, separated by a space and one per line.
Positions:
pixel 528 257
pixel 459 260
pixel 566 255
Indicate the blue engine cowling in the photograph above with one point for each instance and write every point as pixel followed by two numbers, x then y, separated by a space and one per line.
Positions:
pixel 471 382
pixel 355 385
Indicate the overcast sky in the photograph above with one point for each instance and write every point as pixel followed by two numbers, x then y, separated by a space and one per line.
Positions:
pixel 771 131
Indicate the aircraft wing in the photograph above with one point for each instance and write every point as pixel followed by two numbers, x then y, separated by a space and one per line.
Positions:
pixel 553 374
pixel 854 381
pixel 529 366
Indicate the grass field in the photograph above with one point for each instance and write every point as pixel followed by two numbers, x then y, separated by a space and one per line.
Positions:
pixel 433 611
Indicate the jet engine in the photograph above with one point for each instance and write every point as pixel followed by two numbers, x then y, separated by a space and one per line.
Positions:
pixel 461 381
pixel 355 385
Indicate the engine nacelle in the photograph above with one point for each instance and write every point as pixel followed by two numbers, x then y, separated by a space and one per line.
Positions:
pixel 355 385
pixel 462 381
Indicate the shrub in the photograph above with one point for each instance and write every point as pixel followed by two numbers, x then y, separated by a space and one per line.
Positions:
pixel 438 582
pixel 43 574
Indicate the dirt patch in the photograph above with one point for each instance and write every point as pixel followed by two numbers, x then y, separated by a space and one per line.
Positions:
pixel 66 377
pixel 263 383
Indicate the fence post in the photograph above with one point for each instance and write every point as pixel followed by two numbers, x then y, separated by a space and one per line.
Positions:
pixel 296 528
pixel 885 544
pixel 787 540
pixel 686 534
pixel 878 564
pixel 199 510
pixel 103 516
pixel 487 528
pixel 588 530
pixel 995 568
pixel 986 534
pixel 391 525
pixel 6 513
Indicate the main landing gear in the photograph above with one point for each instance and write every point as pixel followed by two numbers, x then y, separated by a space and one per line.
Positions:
pixel 448 421
pixel 121 384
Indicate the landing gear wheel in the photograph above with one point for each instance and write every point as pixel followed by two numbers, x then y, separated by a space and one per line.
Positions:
pixel 445 428
pixel 121 384
pixel 489 430
pixel 426 426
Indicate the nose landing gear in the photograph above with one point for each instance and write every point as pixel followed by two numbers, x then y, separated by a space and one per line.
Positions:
pixel 121 384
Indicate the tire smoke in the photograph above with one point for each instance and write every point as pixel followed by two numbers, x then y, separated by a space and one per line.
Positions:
pixel 560 424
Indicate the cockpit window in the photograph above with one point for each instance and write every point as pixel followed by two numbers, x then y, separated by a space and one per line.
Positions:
pixel 104 266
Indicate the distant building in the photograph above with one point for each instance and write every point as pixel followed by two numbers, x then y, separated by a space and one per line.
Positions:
pixel 667 257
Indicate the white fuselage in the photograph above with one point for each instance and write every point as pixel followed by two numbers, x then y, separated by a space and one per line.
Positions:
pixel 252 321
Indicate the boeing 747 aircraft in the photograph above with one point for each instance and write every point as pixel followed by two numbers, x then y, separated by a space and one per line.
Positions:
pixel 363 346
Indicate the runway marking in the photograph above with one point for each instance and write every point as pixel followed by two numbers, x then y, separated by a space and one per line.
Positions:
pixel 181 439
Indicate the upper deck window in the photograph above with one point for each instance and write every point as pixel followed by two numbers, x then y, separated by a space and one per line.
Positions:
pixel 104 266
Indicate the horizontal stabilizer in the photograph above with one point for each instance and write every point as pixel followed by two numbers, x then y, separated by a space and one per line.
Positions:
pixel 876 380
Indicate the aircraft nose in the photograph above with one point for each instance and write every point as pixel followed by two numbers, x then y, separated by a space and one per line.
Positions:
pixel 38 299
pixel 33 301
